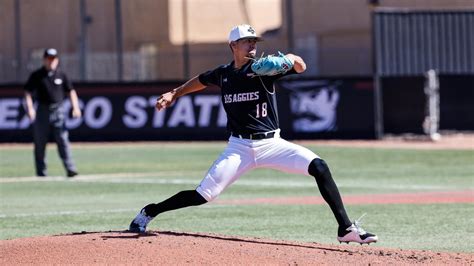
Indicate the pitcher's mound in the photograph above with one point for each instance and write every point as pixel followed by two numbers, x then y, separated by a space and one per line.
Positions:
pixel 164 247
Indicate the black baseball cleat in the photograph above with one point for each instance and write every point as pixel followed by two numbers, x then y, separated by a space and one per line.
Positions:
pixel 355 233
pixel 139 224
pixel 41 173
pixel 71 173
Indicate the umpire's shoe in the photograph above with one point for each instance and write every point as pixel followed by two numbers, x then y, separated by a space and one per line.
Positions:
pixel 138 225
pixel 71 173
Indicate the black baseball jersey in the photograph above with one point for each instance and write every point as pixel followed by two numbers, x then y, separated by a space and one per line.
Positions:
pixel 249 100
pixel 49 87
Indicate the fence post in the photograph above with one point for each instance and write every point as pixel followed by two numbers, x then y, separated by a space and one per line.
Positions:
pixel 431 122
pixel 119 39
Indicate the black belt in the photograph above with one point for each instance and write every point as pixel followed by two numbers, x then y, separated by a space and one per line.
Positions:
pixel 263 135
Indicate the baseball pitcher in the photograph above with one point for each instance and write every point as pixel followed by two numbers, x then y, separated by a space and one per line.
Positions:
pixel 249 99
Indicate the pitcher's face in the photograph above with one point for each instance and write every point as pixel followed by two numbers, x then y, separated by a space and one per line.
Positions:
pixel 245 48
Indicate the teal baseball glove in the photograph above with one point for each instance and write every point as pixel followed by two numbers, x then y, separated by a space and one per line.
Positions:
pixel 272 65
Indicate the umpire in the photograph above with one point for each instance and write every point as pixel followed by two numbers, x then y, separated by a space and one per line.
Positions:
pixel 49 87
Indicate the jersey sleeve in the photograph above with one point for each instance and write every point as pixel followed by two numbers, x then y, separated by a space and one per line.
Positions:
pixel 210 77
pixel 30 84
pixel 275 77
pixel 289 72
pixel 67 84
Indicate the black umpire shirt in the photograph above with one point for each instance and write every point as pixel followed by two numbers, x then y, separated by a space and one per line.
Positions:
pixel 249 100
pixel 48 87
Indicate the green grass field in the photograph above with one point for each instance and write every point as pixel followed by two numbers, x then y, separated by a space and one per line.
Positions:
pixel 118 179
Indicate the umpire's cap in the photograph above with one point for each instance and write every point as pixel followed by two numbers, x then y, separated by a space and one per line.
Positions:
pixel 50 52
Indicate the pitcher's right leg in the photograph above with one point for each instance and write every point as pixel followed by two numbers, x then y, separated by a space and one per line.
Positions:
pixel 182 199
pixel 231 164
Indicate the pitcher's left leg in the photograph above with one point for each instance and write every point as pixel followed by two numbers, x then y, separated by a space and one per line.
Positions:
pixel 328 188
pixel 293 158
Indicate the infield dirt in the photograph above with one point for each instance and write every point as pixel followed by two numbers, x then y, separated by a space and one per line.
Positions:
pixel 175 248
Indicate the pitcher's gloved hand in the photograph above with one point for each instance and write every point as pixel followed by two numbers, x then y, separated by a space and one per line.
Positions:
pixel 272 65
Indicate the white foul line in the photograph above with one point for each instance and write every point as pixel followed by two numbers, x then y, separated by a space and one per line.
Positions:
pixel 148 178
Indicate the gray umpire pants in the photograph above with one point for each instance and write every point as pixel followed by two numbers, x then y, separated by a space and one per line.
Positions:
pixel 51 118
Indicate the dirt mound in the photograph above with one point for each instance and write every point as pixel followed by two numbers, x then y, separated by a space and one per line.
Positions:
pixel 164 247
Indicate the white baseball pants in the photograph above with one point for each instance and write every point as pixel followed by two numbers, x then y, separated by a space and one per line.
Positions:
pixel 242 155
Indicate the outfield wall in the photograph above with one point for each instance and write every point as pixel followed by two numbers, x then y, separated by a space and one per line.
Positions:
pixel 403 101
pixel 308 109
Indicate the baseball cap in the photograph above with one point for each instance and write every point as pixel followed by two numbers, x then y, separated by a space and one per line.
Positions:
pixel 241 32
pixel 50 52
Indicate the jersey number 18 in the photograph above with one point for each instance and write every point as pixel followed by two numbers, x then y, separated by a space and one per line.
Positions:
pixel 261 110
